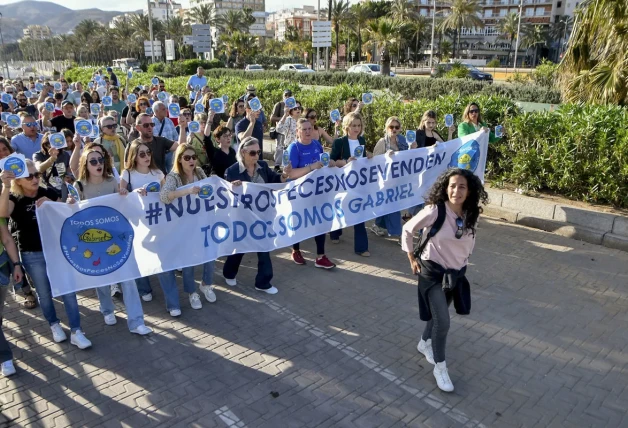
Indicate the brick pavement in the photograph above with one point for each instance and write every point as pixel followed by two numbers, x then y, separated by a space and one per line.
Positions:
pixel 546 344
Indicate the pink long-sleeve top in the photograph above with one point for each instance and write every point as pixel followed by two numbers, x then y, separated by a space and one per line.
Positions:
pixel 443 248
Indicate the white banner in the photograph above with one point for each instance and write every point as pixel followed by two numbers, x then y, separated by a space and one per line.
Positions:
pixel 115 238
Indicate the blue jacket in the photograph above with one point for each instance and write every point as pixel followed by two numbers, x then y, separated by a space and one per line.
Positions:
pixel 268 175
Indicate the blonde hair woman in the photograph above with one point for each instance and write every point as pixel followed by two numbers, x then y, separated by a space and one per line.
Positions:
pixel 140 169
pixel 185 172
pixel 427 135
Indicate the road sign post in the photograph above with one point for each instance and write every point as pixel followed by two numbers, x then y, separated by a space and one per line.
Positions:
pixel 201 38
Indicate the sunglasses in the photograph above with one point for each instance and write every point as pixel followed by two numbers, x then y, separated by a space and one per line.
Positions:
pixel 254 152
pixel 30 124
pixel 394 127
pixel 298 108
pixel 474 111
pixel 187 114
pixel 460 225
pixel 312 117
pixel 143 105
pixel 240 105
pixel 148 125
pixel 354 106
pixel 36 175
pixel 94 162
pixel 188 158
pixel 21 100
pixel 144 154
pixel 109 126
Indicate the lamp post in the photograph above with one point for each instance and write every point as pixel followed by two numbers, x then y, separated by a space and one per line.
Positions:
pixel 514 63
pixel 4 54
pixel 433 28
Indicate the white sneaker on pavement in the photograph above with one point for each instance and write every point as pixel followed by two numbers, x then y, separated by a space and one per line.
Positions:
pixel 195 301
pixel 442 377
pixel 142 330
pixel 378 230
pixel 147 297
pixel 425 348
pixel 78 338
pixel 271 290
pixel 110 319
pixel 7 368
pixel 57 333
pixel 208 291
pixel 231 282
pixel 115 289
pixel 175 312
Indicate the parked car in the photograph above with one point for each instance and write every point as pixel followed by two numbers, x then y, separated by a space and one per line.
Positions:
pixel 299 68
pixel 474 73
pixel 253 67
pixel 372 69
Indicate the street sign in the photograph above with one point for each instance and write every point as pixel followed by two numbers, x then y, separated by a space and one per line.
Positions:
pixel 321 34
pixel 148 48
pixel 169 50
pixel 201 39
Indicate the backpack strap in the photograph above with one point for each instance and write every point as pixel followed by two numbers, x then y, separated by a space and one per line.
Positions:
pixel 438 224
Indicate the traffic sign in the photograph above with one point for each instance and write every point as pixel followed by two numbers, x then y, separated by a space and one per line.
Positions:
pixel 169 50
pixel 321 34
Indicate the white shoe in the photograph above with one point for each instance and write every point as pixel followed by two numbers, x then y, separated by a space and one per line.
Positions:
pixel 442 377
pixel 195 301
pixel 78 338
pixel 378 230
pixel 208 291
pixel 180 270
pixel 147 297
pixel 271 290
pixel 425 348
pixel 115 289
pixel 57 333
pixel 142 330
pixel 7 368
pixel 175 312
pixel 110 319
pixel 231 282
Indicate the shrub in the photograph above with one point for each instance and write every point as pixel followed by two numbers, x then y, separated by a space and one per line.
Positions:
pixel 545 74
pixel 494 63
pixel 517 77
pixel 458 71
pixel 157 67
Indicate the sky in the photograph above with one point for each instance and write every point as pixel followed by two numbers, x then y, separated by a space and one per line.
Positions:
pixel 131 5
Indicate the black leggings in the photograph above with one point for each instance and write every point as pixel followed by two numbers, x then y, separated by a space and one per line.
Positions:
pixel 438 327
pixel 320 245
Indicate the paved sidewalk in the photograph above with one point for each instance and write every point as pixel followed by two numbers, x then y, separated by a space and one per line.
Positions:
pixel 546 344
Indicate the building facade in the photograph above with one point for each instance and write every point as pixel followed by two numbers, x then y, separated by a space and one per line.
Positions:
pixel 38 32
pixel 299 18
pixel 163 9
pixel 222 6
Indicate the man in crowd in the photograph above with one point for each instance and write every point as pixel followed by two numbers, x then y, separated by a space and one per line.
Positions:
pixel 116 103
pixel 250 126
pixel 164 127
pixel 112 76
pixel 159 146
pixel 66 120
pixel 28 142
pixel 23 105
pixel 195 80
pixel 278 111
pixel 67 95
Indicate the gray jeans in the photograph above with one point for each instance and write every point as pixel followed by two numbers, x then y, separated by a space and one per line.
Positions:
pixel 279 149
pixel 438 327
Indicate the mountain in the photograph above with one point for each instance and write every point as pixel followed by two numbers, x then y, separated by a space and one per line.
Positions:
pixel 60 19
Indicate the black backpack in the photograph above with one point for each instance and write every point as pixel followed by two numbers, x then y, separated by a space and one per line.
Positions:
pixel 440 220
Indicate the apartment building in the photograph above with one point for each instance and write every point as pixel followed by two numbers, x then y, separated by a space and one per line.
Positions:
pixel 222 6
pixel 299 18
pixel 38 32
pixel 163 9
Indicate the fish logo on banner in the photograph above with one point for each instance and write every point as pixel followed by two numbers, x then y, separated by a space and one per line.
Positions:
pixel 325 159
pixel 206 191
pixel 467 156
pixel 97 240
pixel 358 151
pixel 152 187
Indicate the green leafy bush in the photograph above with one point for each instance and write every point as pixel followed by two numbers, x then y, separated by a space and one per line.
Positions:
pixel 517 77
pixel 545 74
pixel 458 71
pixel 157 67
pixel 494 63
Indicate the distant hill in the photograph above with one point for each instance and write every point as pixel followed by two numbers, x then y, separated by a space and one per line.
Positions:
pixel 59 18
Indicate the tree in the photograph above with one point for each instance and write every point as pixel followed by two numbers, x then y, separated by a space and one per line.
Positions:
pixel 595 65
pixel 533 36
pixel 384 32
pixel 418 27
pixel 462 14
pixel 339 12
pixel 404 12
pixel 508 30
pixel 233 21
pixel 292 34
pixel 559 31
pixel 359 14
pixel 201 14
pixel 242 45
pixel 123 36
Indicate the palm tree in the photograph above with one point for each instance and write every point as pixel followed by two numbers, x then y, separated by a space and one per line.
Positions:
pixel 123 35
pixel 359 15
pixel 339 12
pixel 508 30
pixel 404 12
pixel 559 30
pixel 418 27
pixel 462 14
pixel 595 67
pixel 533 36
pixel 232 21
pixel 384 32
pixel 244 46
pixel 202 14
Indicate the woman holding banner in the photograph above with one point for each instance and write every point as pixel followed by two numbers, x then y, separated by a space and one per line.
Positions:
pixel 305 156
pixel 319 133
pixel 20 204
pixel 453 207
pixel 427 135
pixel 94 181
pixel 472 122
pixel 342 152
pixel 185 172
pixel 250 169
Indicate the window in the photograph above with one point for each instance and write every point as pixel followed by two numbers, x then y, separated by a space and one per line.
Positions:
pixel 559 4
pixel 503 12
pixel 515 11
pixel 540 11
pixel 530 11
pixel 423 12
pixel 488 13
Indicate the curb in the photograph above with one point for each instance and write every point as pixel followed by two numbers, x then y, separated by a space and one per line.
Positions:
pixel 594 227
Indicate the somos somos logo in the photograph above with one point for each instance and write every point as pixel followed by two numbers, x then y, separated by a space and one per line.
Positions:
pixel 466 157
pixel 97 240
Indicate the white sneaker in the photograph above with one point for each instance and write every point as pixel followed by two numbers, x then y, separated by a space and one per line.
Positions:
pixel 57 333
pixel 7 368
pixel 378 230
pixel 231 282
pixel 442 377
pixel 180 270
pixel 147 297
pixel 79 339
pixel 208 291
pixel 271 290
pixel 175 312
pixel 110 319
pixel 425 348
pixel 195 301
pixel 115 289
pixel 142 330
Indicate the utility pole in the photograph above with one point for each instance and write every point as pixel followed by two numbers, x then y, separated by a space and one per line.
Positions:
pixel 514 63
pixel 318 18
pixel 4 54
pixel 433 28
pixel 150 30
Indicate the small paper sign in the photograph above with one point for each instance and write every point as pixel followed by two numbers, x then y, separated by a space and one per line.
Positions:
pixel 155 80
pixel 198 108
pixel 225 99
pixel 5 115
pixel 499 131
pixel 14 121
pixel 28 94
pixel 16 163
pixel 285 159
pixel 174 110
pixel 83 127
pixel 57 141
pixel 41 78
pixel 194 126
pixel 50 107
pixel 152 187
pixel 325 158
pixel 95 132
pixel 129 74
pixel 149 110
pixel 359 151
pixel 98 78
pixel 107 101
pixel 367 98
pixel 206 191
pixel 39 86
pixel 410 136
pixel 102 84
pixel 162 96
pixel 290 102
pixel 6 98
pixel 91 85
pixel 334 115
pixel 57 86
pixel 449 120
pixel 217 105
pixel 94 109
pixel 73 192
pixel 255 104
pixel 197 88
pixel 131 98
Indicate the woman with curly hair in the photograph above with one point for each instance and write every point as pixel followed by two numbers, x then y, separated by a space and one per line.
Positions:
pixel 441 261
